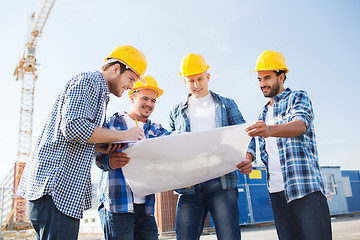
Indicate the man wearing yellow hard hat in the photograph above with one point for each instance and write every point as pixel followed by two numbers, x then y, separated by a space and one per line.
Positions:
pixel 203 110
pixel 56 179
pixel 124 215
pixel 288 149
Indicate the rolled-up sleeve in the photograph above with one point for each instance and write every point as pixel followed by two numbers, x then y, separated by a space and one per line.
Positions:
pixel 302 108
pixel 79 130
pixel 80 107
pixel 102 161
pixel 252 148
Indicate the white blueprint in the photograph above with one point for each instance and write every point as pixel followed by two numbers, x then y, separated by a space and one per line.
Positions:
pixel 176 161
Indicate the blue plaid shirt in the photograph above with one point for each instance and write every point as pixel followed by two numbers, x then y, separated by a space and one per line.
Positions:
pixel 61 159
pixel 226 114
pixel 298 155
pixel 114 191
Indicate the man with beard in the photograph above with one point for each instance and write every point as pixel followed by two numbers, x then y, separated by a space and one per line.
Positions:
pixel 122 214
pixel 288 149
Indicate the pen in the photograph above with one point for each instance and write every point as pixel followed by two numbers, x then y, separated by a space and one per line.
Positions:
pixel 136 122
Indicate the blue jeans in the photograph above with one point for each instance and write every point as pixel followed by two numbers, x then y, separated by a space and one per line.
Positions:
pixel 49 222
pixel 128 226
pixel 307 218
pixel 192 210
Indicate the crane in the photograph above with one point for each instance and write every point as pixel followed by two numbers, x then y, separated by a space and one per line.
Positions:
pixel 25 71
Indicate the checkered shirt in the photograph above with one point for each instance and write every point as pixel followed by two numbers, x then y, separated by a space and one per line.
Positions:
pixel 298 155
pixel 61 159
pixel 114 191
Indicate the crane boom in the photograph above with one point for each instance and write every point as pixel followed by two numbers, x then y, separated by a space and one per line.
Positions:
pixel 27 62
pixel 40 22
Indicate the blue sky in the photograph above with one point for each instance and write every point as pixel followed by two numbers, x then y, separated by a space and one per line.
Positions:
pixel 320 41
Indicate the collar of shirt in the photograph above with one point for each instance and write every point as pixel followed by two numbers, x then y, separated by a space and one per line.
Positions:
pixel 104 86
pixel 214 95
pixel 122 115
pixel 283 94
pixel 277 98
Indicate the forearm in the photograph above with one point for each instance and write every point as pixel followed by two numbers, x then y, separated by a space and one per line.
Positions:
pixel 104 135
pixel 287 130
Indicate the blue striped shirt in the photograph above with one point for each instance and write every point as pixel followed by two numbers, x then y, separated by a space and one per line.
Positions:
pixel 298 155
pixel 114 191
pixel 61 159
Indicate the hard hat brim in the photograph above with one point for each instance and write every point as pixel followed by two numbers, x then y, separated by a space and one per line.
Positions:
pixel 285 69
pixel 158 91
pixel 141 77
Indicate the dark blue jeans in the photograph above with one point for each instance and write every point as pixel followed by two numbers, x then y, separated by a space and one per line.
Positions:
pixel 192 210
pixel 307 218
pixel 49 222
pixel 128 226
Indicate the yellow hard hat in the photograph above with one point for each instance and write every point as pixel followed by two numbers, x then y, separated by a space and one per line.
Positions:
pixel 271 60
pixel 150 84
pixel 131 57
pixel 192 64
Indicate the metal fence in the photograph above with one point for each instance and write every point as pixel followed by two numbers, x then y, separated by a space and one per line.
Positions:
pixel 13 215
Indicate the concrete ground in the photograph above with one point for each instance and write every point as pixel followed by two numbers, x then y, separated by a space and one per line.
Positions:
pixel 343 227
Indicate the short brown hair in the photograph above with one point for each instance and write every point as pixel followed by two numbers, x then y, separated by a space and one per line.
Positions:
pixel 108 65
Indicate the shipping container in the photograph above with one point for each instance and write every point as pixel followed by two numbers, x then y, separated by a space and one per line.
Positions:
pixel 334 189
pixel 351 182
